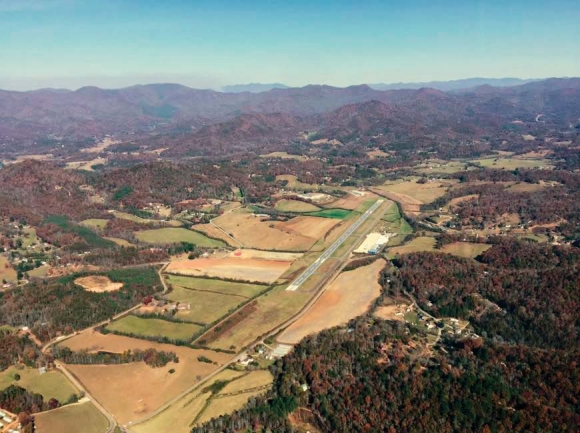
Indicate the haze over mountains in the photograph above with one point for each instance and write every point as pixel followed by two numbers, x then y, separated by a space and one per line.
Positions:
pixel 37 120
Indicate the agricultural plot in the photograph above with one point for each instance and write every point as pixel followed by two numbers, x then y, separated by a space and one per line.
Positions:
pixel 51 384
pixel 120 242
pixel 164 236
pixel 395 223
pixel 95 223
pixel 465 249
pixel 441 167
pixel 297 206
pixel 294 183
pixel 146 327
pixel 297 234
pixel 253 379
pixel 216 286
pixel 253 270
pixel 422 243
pixel 132 391
pixel 352 201
pixel 284 155
pixel 332 213
pixel 227 404
pixel 181 415
pixel 348 296
pixel 7 272
pixel 512 163
pixel 412 192
pixel 139 220
pixel 205 307
pixel 81 417
pixel 98 284
pixel 212 232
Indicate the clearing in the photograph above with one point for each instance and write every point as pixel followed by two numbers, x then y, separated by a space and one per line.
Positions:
pixel 132 391
pixel 284 155
pixel 352 200
pixel 512 163
pixel 81 417
pixel 297 206
pixel 95 223
pixel 174 235
pixel 216 286
pixel 465 249
pixel 247 270
pixel 348 296
pixel 7 272
pixel 146 327
pixel 52 384
pixel 98 284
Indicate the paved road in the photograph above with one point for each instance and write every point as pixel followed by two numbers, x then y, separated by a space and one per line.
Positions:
pixel 330 250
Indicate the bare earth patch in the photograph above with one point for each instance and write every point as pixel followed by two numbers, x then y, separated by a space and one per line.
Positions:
pixel 348 296
pixel 98 284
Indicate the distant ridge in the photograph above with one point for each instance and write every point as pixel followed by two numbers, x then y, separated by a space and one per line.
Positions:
pixel 446 86
pixel 252 87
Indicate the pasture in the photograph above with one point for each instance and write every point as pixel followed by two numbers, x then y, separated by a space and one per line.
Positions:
pixel 294 183
pixel 120 242
pixel 167 235
pixel 95 223
pixel 226 404
pixel 146 327
pixel 251 270
pixel 52 384
pixel 216 286
pixel 348 296
pixel 212 232
pixel 132 391
pixel 98 284
pixel 284 155
pixel 332 213
pixel 297 206
pixel 351 201
pixel 421 243
pixel 7 272
pixel 81 417
pixel 465 249
pixel 511 163
pixel 136 219
pixel 206 307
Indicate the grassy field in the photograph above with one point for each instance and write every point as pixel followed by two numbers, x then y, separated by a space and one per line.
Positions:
pixel 51 384
pixel 511 163
pixel 174 235
pixel 206 307
pixel 422 192
pixel 83 417
pixel 332 213
pixel 216 286
pixel 120 242
pixel 95 223
pixel 395 223
pixel 294 183
pixel 295 206
pixel 465 249
pixel 251 380
pixel 284 155
pixel 136 219
pixel 418 244
pixel 154 328
pixel 222 405
pixel 439 166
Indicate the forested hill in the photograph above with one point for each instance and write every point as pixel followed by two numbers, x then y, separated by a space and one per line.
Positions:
pixel 379 376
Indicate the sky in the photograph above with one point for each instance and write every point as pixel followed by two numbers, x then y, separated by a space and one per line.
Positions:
pixel 208 44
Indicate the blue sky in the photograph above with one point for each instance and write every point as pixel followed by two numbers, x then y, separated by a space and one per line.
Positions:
pixel 207 44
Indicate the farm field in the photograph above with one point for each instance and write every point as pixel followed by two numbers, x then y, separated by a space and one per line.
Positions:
pixel 251 380
pixel 348 296
pixel 120 242
pixel 183 412
pixel 254 270
pixel 273 309
pixel 98 284
pixel 395 223
pixel 227 404
pixel 511 163
pixel 351 201
pixel 206 307
pixel 465 249
pixel 284 155
pixel 294 183
pixel 297 234
pixel 440 166
pixel 174 235
pixel 145 327
pixel 131 391
pixel 95 223
pixel 136 219
pixel 212 232
pixel 298 206
pixel 422 243
pixel 7 272
pixel 51 384
pixel 73 418
pixel 332 213
pixel 216 286
pixel 421 193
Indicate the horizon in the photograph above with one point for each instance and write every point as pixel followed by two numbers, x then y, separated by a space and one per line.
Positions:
pixel 114 44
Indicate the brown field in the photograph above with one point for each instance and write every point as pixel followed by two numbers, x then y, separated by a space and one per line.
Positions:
pixel 222 405
pixel 98 284
pixel 348 296
pixel 388 312
pixel 264 255
pixel 213 232
pixel 264 271
pixel 131 391
pixel 120 242
pixel 350 201
pixel 465 249
pixel 7 272
pixel 457 200
pixel 82 417
pixel 85 165
pixel 412 195
pixel 297 234
pixel 286 205
pixel 377 153
pixel 251 380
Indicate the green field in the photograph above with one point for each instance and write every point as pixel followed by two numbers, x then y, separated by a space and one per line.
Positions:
pixel 175 235
pixel 83 417
pixel 95 223
pixel 217 286
pixel 332 213
pixel 51 384
pixel 511 163
pixel 154 328
pixel 295 206
pixel 395 222
pixel 139 220
pixel 206 307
